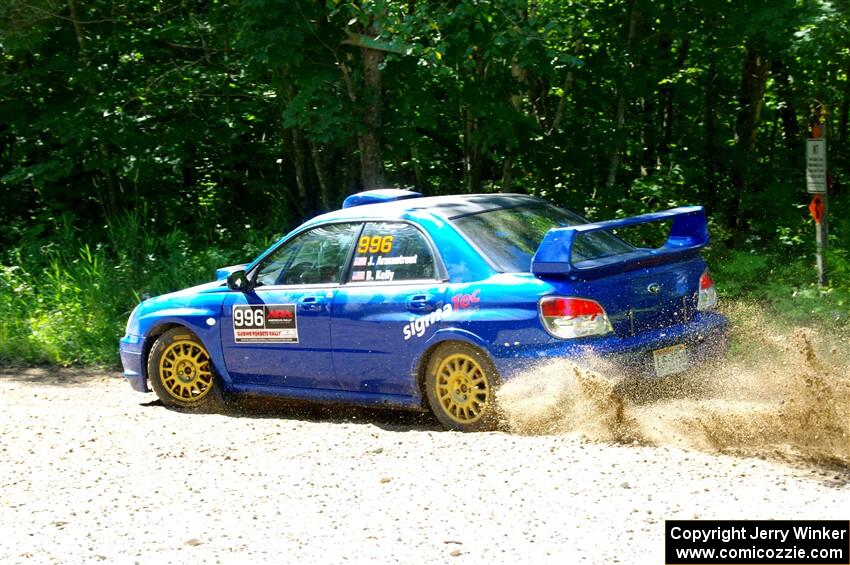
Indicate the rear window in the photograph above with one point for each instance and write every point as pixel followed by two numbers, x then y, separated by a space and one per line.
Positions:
pixel 510 236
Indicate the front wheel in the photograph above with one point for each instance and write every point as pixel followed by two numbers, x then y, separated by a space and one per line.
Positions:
pixel 181 373
pixel 460 383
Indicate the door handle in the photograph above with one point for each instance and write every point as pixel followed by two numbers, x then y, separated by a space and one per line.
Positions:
pixel 312 304
pixel 421 303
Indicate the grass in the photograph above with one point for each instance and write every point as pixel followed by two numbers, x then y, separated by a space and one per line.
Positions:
pixel 66 302
pixel 787 287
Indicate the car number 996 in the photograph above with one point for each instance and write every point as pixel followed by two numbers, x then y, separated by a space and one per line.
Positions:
pixel 249 317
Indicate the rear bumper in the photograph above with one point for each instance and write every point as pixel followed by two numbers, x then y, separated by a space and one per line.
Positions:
pixel 131 349
pixel 706 337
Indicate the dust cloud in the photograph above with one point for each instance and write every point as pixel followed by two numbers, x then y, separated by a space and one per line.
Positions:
pixel 779 392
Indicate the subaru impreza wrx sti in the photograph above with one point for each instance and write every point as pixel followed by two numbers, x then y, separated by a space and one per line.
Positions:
pixel 430 303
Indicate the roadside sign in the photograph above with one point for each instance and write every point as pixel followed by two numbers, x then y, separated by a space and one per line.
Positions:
pixel 817 208
pixel 816 166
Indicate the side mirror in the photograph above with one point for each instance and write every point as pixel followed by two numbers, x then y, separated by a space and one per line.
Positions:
pixel 238 280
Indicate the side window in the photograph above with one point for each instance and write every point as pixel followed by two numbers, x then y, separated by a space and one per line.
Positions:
pixel 314 257
pixel 392 252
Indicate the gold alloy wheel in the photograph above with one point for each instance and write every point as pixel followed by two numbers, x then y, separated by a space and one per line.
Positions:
pixel 462 388
pixel 184 371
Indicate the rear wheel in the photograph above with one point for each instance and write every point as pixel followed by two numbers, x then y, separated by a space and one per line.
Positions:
pixel 181 373
pixel 460 383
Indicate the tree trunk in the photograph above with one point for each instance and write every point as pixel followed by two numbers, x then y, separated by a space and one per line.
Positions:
pixel 614 162
pixel 844 111
pixel 520 75
pixel 787 112
pixel 648 158
pixel 418 175
pixel 710 151
pixel 751 98
pixel 302 180
pixel 507 173
pixel 325 188
pixel 75 21
pixel 620 120
pixel 294 143
pixel 562 103
pixel 472 154
pixel 371 160
pixel 352 170
pixel 750 101
pixel 110 197
pixel 666 96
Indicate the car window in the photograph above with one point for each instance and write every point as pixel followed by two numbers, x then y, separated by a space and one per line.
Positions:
pixel 314 257
pixel 510 236
pixel 391 251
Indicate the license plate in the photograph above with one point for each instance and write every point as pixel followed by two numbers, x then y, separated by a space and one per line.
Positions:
pixel 670 360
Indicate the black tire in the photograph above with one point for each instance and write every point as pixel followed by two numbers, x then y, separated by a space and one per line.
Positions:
pixel 460 384
pixel 181 373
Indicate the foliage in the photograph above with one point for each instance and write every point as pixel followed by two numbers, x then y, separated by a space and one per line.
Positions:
pixel 143 143
pixel 70 305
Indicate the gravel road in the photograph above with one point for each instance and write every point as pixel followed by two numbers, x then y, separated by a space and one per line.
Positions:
pixel 91 471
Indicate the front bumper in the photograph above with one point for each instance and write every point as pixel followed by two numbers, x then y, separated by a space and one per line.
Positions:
pixel 131 349
pixel 706 337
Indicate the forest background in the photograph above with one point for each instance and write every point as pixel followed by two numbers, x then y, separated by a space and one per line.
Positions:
pixel 144 143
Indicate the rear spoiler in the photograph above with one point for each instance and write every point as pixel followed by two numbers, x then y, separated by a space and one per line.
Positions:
pixel 688 234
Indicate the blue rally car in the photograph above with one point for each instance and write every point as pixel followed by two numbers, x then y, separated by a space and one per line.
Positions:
pixel 430 302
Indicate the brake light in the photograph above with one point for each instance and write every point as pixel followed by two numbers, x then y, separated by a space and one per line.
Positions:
pixel 568 318
pixel 707 298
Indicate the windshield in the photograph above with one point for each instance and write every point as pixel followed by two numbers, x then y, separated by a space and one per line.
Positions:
pixel 510 236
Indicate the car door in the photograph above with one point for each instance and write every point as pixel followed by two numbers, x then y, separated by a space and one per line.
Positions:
pixel 395 285
pixel 278 334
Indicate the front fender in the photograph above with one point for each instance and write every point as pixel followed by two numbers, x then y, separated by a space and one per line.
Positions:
pixel 196 319
pixel 202 321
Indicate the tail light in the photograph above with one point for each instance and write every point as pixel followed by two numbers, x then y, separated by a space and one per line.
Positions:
pixel 568 318
pixel 707 298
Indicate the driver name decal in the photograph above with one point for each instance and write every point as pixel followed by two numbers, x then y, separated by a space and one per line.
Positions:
pixel 265 323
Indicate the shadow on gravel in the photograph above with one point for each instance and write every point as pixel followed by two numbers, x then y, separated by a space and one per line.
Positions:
pixel 286 409
pixel 834 475
pixel 56 376
pixel 386 419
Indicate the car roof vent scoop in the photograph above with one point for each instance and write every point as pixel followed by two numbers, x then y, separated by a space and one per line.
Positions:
pixel 378 196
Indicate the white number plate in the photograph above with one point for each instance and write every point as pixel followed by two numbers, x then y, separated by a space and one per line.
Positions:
pixel 670 360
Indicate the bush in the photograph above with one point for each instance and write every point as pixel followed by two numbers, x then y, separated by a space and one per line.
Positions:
pixel 68 304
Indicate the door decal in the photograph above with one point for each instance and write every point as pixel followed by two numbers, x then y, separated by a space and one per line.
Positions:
pixel 418 325
pixel 269 323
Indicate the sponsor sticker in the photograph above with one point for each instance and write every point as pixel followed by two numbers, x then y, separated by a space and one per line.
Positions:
pixel 463 301
pixel 265 323
pixel 417 326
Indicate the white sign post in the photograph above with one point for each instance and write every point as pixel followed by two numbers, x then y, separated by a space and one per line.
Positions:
pixel 816 166
pixel 816 184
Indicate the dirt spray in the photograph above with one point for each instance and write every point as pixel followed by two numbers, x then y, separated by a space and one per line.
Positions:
pixel 777 393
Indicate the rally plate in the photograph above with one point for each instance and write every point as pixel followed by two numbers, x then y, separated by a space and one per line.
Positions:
pixel 670 360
